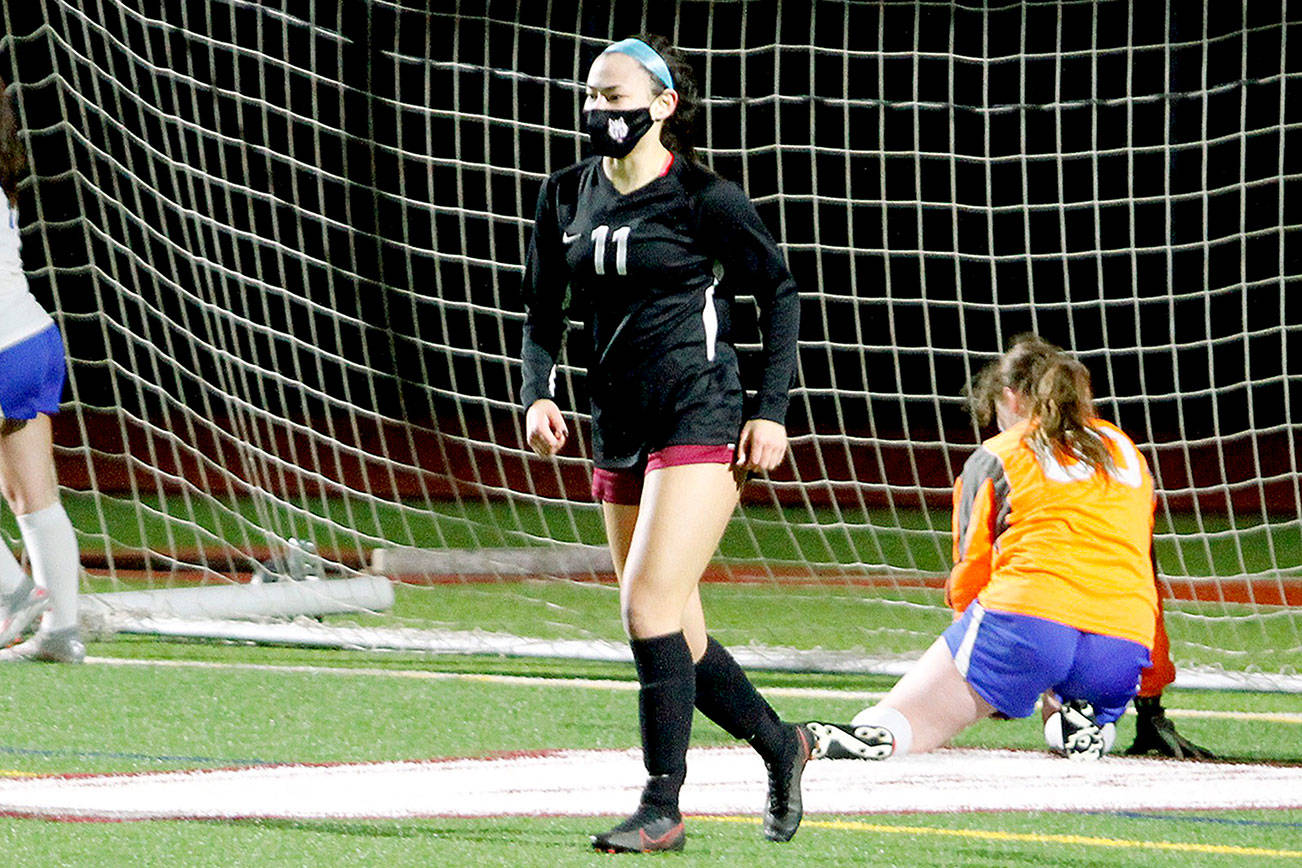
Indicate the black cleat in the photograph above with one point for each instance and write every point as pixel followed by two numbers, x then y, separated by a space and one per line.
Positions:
pixel 847 741
pixel 785 809
pixel 1155 734
pixel 649 830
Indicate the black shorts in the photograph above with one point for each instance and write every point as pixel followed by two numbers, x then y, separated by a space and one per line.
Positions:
pixel 629 424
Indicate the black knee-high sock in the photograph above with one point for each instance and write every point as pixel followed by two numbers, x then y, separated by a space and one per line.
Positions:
pixel 664 669
pixel 725 695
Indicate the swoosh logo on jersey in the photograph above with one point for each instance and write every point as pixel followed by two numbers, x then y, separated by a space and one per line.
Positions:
pixel 568 238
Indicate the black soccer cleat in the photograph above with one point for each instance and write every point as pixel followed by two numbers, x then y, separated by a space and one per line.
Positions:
pixel 847 741
pixel 785 809
pixel 1155 734
pixel 649 830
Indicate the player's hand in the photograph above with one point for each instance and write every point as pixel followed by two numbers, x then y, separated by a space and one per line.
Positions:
pixel 762 445
pixel 545 428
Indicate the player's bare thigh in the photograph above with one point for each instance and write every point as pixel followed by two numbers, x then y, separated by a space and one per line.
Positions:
pixel 682 515
pixel 620 520
pixel 936 699
pixel 26 470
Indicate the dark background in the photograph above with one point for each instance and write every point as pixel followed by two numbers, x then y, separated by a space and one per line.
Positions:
pixel 290 236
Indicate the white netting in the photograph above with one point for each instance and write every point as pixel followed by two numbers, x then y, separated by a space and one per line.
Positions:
pixel 284 245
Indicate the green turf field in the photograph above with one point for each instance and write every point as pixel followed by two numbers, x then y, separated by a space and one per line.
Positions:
pixel 360 707
pixel 905 540
pixel 356 706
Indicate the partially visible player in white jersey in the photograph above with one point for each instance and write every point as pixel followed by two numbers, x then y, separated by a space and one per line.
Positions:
pixel 32 372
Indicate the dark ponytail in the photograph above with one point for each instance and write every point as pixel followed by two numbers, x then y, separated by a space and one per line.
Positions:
pixel 13 158
pixel 678 133
pixel 1059 400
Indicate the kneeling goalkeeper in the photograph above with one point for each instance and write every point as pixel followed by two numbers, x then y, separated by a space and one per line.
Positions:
pixel 1053 575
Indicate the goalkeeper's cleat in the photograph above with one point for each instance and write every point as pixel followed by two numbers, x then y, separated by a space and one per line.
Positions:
pixel 1155 734
pixel 1073 732
pixel 19 608
pixel 847 741
pixel 785 807
pixel 48 646
pixel 650 830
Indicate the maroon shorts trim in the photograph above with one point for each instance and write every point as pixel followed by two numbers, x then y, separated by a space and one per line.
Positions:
pixel 673 456
pixel 624 487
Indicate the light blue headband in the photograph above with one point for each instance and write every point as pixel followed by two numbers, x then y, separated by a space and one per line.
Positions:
pixel 645 55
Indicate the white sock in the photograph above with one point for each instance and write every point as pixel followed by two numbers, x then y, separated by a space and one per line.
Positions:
pixel 56 564
pixel 11 574
pixel 888 718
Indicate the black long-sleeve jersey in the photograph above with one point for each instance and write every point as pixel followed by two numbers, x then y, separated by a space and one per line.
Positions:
pixel 654 273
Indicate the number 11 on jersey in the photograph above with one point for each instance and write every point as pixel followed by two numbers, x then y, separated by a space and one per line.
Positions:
pixel 620 237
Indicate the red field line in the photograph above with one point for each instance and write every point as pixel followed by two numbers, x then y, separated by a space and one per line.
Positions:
pixel 1261 592
pixel 454 456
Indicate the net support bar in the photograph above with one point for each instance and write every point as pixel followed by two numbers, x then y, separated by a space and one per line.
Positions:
pixel 269 600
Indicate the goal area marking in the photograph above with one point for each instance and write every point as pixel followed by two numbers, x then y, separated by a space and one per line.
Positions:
pixel 727 781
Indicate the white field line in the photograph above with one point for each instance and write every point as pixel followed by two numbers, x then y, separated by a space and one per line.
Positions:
pixel 305 633
pixel 726 781
pixel 610 684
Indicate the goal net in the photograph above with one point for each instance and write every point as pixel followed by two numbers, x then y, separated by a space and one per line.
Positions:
pixel 284 243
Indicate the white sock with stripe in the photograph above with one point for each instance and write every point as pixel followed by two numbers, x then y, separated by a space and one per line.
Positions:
pixel 890 719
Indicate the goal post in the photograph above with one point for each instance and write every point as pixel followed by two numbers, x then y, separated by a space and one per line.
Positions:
pixel 284 242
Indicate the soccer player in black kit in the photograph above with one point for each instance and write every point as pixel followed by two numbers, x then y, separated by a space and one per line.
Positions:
pixel 653 246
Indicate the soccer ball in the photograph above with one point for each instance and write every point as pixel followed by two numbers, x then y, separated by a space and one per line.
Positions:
pixel 1073 732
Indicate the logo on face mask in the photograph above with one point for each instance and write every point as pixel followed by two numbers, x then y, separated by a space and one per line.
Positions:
pixel 617 129
pixel 616 133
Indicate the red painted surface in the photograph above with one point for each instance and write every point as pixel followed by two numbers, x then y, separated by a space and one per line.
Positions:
pixel 485 459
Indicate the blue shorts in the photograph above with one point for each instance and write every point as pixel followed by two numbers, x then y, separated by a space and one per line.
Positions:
pixel 32 372
pixel 1011 659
